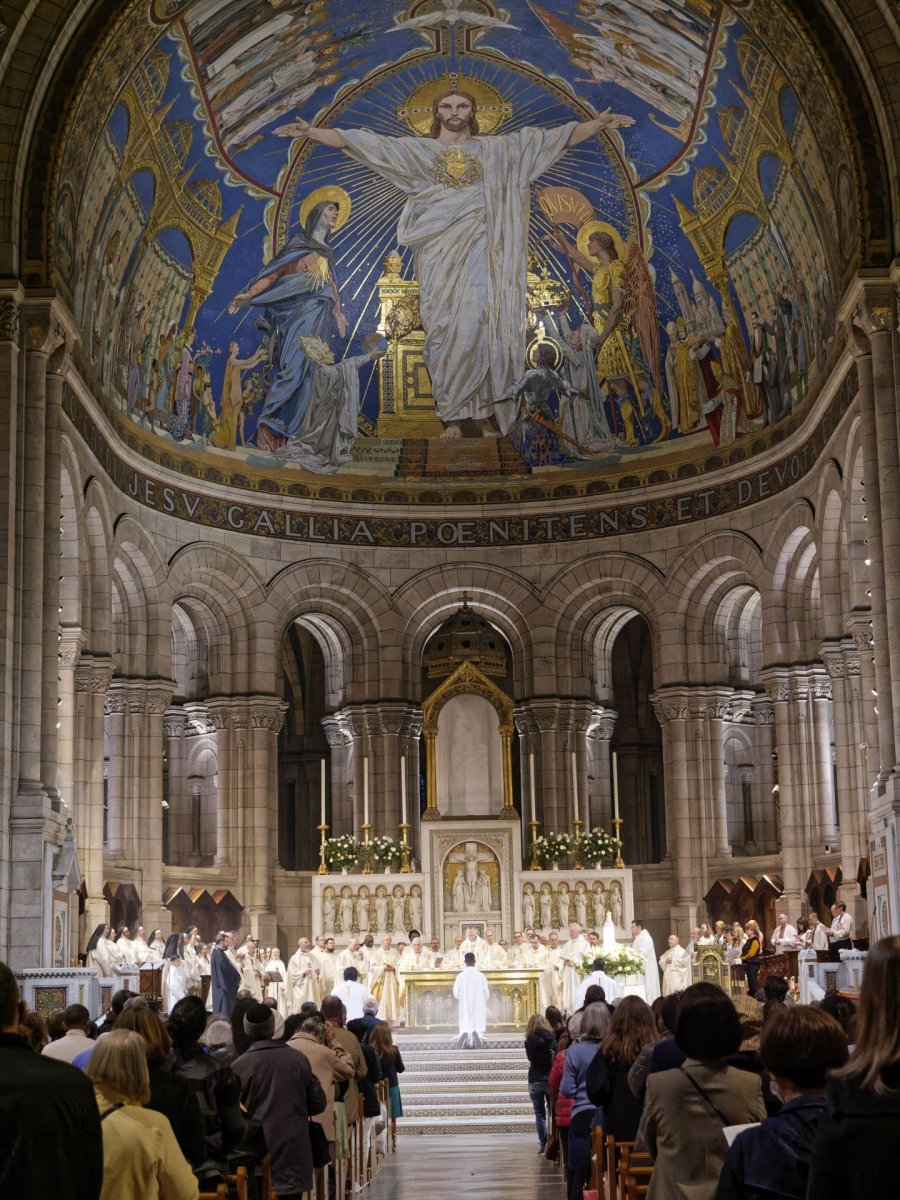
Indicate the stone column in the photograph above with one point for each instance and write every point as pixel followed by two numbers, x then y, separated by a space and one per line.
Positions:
pixel 860 626
pixel 671 707
pixel 778 685
pixel 10 341
pixel 825 828
pixel 174 728
pixel 51 681
pixel 339 808
pixel 70 646
pixel 354 722
pixel 220 709
pixel 385 726
pixel 410 748
pixel 599 767
pixel 768 834
pixel 875 422
pixel 116 729
pixel 148 797
pixel 92 676
pixel 260 850
pixel 711 709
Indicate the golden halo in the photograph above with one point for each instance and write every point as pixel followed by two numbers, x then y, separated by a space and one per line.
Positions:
pixel 327 195
pixel 591 227
pixel 532 348
pixel 493 110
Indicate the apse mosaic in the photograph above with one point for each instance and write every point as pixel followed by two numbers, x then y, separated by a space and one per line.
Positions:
pixel 453 240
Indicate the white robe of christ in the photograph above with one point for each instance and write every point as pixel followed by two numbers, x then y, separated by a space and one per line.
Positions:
pixel 471 990
pixel 470 245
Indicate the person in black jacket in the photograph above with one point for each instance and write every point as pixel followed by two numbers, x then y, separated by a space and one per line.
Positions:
pixel 540 1050
pixel 50 1139
pixel 225 978
pixel 800 1047
pixel 857 1152
pixel 217 1088
pixel 632 1028
pixel 367 1088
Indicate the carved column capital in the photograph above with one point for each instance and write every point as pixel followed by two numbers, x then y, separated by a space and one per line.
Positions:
pixel 267 713
pixel 174 722
pixel 337 730
pixel 671 704
pixel 10 320
pixel 71 640
pixel 92 674
pixel 875 313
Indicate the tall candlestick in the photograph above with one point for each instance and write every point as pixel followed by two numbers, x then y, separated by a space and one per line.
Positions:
pixel 615 783
pixel 322 790
pixel 403 789
pixel 575 785
pixel 366 790
pixel 531 772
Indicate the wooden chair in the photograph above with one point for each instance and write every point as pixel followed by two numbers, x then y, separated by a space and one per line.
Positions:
pixel 638 1184
pixel 265 1179
pixel 630 1162
pixel 599 1142
pixel 221 1193
pixel 240 1183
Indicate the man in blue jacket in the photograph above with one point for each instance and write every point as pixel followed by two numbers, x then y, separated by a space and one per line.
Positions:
pixel 224 975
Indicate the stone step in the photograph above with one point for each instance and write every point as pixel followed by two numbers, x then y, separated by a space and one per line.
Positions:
pixel 462 1106
pixel 468 1125
pixel 440 1071
pixel 464 1087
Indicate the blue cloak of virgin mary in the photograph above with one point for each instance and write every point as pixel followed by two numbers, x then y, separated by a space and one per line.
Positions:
pixel 298 304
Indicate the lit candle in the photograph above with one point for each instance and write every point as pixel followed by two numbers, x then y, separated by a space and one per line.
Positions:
pixel 575 785
pixel 615 775
pixel 531 771
pixel 403 788
pixel 322 789
pixel 365 790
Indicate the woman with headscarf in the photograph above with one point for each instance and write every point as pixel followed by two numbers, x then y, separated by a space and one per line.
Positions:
pixel 126 946
pixel 97 955
pixel 191 962
pixel 157 945
pixel 298 296
pixel 175 980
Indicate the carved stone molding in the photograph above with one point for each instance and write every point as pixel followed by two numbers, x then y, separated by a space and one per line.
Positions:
pixel 10 321
pixel 852 663
pixel 92 675
pixel 863 638
pixel 777 690
pixel 764 711
pixel 268 716
pixel 114 703
pixel 173 727
pixel 820 687
pixel 834 663
pixel 336 731
pixel 668 710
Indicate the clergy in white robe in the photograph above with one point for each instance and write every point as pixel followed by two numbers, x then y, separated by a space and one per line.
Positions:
pixel 192 964
pixel 611 989
pixel 303 977
pixel 676 967
pixel 353 995
pixel 97 955
pixel 519 953
pixel 415 957
pixel 643 944
pixel 453 959
pixel 116 952
pixel 572 955
pixel 551 978
pixel 466 220
pixel 470 988
pixel 174 976
pixel 538 951
pixel 493 956
pixel 384 982
pixel 472 943
pixel 140 948
pixel 352 956
pixel 251 973
pixel 157 945
pixel 325 955
pixel 277 989
pixel 126 946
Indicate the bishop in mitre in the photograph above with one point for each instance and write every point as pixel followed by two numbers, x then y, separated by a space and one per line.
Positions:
pixel 303 977
pixel 384 982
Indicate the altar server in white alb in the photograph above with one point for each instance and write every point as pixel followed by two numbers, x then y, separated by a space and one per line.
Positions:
pixel 643 944
pixel 676 967
pixel 598 976
pixel 470 988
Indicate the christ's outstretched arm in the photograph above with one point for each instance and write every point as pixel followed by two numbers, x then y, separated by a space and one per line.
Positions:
pixel 300 128
pixel 606 120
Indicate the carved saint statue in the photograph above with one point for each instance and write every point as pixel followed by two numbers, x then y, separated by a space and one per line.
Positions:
pixel 471 890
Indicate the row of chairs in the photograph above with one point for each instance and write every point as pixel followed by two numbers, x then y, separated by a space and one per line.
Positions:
pixel 352 1173
pixel 627 1172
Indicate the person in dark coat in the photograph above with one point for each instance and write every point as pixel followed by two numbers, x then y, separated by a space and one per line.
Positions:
pixel 799 1047
pixel 540 1050
pixel 50 1138
pixel 280 1091
pixel 224 976
pixel 857 1152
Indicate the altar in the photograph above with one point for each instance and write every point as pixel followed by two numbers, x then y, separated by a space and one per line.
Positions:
pixel 514 997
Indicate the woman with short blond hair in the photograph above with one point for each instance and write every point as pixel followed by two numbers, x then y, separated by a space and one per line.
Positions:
pixel 141 1158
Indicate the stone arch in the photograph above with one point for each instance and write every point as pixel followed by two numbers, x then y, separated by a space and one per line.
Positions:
pixel 147 650
pixel 588 603
pixel 74 563
pixel 737 621
pixel 791 596
pixel 499 595
pixel 831 531
pixel 699 581
pixel 222 592
pixel 856 523
pixel 347 611
pixel 98 524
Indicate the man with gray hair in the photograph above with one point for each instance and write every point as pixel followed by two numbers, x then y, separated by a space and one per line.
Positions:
pixel 225 978
pixel 331 1064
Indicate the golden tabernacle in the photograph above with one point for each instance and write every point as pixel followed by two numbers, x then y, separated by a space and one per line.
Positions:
pixel 513 998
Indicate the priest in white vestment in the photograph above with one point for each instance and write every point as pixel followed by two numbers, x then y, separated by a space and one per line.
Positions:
pixel 551 979
pixel 643 944
pixel 493 956
pixel 598 976
pixel 453 959
pixel 415 957
pixel 352 994
pixel 519 953
pixel 384 982
pixel 466 218
pixel 303 975
pixel 676 967
pixel 472 943
pixel 277 989
pixel 324 954
pixel 470 988
pixel 352 956
pixel 572 955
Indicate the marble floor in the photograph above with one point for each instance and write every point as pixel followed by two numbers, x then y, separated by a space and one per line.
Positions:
pixel 462 1167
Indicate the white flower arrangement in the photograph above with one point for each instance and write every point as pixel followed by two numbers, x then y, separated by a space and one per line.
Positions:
pixel 598 846
pixel 343 851
pixel 384 850
pixel 623 962
pixel 551 847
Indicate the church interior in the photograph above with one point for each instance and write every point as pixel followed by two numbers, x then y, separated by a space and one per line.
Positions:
pixel 299 636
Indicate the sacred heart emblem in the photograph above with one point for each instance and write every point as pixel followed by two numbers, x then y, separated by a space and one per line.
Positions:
pixel 457 168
